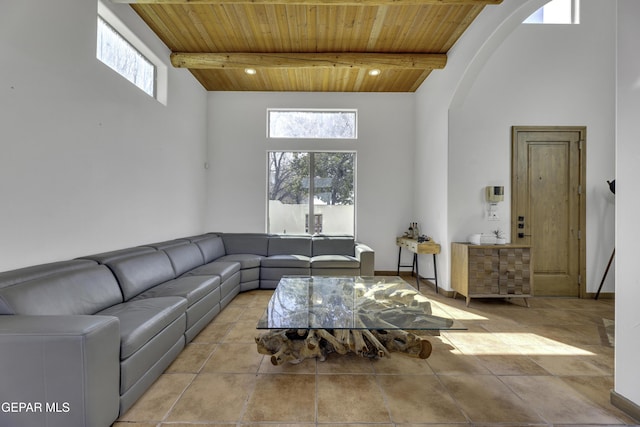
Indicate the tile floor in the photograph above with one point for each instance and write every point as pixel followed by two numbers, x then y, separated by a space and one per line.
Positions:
pixel 551 364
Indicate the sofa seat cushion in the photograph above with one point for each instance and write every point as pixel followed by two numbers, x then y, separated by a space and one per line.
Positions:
pixel 193 288
pixel 245 260
pixel 334 261
pixel 286 261
pixel 142 319
pixel 223 269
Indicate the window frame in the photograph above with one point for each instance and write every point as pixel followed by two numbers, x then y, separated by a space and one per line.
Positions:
pixel 160 78
pixel 311 205
pixel 354 111
pixel 574 18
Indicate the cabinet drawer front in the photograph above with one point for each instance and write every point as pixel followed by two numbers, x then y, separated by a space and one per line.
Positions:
pixel 515 271
pixel 484 271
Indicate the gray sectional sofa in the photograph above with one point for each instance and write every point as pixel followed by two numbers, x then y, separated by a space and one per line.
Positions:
pixel 81 340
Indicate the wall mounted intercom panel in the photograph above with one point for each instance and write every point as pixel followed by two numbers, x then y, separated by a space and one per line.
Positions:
pixel 495 194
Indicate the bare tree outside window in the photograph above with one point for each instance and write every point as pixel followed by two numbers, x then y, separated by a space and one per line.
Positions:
pixel 116 52
pixel 325 124
pixel 294 197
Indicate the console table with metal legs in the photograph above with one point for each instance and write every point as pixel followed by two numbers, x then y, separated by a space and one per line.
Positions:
pixel 412 245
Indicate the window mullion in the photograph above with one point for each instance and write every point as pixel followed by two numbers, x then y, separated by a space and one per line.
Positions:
pixel 312 191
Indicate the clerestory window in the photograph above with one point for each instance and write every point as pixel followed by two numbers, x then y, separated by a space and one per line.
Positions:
pixel 122 51
pixel 556 12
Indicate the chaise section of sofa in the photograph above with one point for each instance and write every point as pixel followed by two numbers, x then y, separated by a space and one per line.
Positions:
pixel 59 371
pixel 150 331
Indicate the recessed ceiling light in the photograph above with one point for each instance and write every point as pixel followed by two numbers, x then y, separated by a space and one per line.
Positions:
pixel 374 72
pixel 250 71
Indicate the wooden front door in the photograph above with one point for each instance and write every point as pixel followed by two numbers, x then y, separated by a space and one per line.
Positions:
pixel 548 207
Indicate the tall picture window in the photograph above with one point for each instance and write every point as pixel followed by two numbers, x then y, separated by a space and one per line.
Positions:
pixel 311 192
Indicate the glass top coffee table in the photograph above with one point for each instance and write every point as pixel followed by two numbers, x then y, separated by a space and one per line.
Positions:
pixel 370 316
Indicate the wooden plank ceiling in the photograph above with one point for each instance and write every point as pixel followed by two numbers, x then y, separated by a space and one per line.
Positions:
pixel 309 45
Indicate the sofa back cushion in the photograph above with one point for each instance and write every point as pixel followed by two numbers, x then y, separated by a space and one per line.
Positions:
pixel 212 248
pixel 141 272
pixel 246 243
pixel 106 257
pixel 333 245
pixel 82 291
pixel 184 258
pixel 12 277
pixel 289 245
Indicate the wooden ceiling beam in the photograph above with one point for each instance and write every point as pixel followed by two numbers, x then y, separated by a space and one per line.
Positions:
pixel 382 61
pixel 319 2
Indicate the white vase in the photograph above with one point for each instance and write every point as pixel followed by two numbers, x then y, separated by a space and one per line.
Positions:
pixel 501 241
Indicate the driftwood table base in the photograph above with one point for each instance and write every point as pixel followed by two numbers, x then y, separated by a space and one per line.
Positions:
pixel 295 345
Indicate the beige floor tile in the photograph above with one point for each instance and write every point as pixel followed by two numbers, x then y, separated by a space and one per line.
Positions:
pixel 243 331
pixel 298 424
pixel 196 425
pixel 133 424
pixel 282 398
pixel 419 398
pixel 511 364
pixel 307 366
pixel 234 358
pixel 567 365
pixel 453 362
pixel 355 425
pixel 598 391
pixel 213 398
pixel 213 333
pixel 254 314
pixel 231 313
pixel 158 400
pixel 192 358
pixel 345 364
pixel 485 399
pixel 399 363
pixel 557 402
pixel 342 399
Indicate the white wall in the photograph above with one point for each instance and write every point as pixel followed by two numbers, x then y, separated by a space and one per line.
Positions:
pixel 502 73
pixel 443 90
pixel 89 162
pixel 539 75
pixel 385 144
pixel 627 373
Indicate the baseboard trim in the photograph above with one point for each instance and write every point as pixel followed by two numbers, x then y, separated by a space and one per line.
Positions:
pixel 603 295
pixel 625 405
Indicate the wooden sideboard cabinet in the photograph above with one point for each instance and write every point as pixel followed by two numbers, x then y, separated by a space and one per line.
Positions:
pixel 491 271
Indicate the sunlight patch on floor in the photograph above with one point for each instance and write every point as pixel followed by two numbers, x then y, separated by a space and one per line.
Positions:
pixel 513 343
